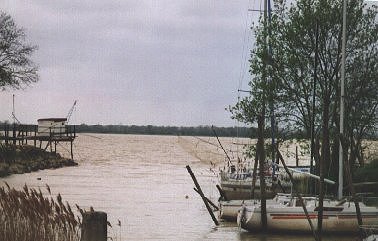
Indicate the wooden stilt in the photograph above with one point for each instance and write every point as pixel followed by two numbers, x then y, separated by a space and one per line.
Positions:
pixel 35 135
pixel 71 150
pixel 222 193
pixel 208 200
pixel 14 134
pixel 202 195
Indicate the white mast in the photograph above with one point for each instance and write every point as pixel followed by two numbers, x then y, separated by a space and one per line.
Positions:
pixel 343 53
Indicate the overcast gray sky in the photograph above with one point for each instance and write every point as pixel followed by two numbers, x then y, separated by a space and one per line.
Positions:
pixel 133 62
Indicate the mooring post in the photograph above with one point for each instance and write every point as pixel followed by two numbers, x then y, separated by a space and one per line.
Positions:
pixel 94 226
pixel 208 200
pixel 202 195
pixel 222 193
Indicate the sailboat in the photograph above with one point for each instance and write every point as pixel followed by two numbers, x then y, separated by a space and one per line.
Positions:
pixel 236 183
pixel 289 216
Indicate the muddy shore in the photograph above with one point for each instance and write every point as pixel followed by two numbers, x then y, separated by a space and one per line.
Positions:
pixel 24 159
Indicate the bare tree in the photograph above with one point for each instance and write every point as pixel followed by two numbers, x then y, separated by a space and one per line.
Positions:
pixel 17 70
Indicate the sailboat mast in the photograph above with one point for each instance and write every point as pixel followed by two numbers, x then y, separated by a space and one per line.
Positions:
pixel 272 117
pixel 13 112
pixel 343 53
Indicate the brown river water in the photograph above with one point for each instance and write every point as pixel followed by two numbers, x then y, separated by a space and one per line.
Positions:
pixel 142 181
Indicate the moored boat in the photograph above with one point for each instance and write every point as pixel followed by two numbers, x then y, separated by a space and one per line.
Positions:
pixel 290 217
pixel 228 210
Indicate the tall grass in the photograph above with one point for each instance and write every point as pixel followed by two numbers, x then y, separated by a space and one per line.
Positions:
pixel 27 215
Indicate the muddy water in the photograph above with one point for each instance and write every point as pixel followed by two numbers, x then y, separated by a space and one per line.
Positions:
pixel 142 182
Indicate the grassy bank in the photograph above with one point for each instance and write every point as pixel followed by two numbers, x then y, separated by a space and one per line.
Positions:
pixel 24 158
pixel 28 215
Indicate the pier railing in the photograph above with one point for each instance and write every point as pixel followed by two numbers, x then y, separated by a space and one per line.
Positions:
pixel 19 134
pixel 12 133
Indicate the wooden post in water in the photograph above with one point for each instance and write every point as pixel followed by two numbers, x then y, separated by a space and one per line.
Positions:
pixel 222 193
pixel 296 156
pixel 202 195
pixel 94 226
pixel 208 200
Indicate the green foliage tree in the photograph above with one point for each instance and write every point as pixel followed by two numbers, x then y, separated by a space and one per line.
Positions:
pixel 292 37
pixel 16 67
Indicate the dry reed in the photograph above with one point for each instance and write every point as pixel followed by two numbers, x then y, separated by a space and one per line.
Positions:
pixel 27 215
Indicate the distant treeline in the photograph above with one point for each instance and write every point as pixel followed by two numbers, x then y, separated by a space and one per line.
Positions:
pixel 169 130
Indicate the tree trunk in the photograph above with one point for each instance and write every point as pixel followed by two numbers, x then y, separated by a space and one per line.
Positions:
pixel 261 155
pixel 324 158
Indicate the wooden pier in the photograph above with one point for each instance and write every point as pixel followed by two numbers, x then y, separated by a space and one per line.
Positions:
pixel 46 137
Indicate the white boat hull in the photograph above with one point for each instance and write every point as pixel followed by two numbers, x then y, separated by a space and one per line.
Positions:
pixel 293 219
pixel 228 210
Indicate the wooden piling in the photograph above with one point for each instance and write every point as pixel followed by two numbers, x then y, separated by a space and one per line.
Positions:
pixel 6 134
pixel 202 195
pixel 209 201
pixel 296 156
pixel 94 226
pixel 71 150
pixel 14 134
pixel 222 193
pixel 35 135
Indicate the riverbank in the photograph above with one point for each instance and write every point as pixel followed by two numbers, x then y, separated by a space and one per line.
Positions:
pixel 25 159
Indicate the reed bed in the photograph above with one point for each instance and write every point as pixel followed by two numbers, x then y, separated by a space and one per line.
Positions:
pixel 27 215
